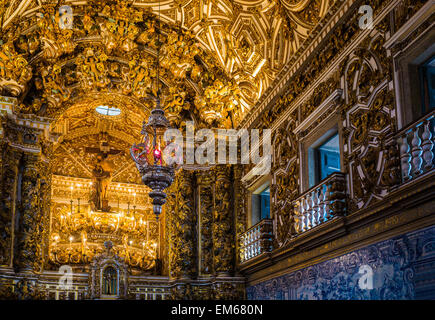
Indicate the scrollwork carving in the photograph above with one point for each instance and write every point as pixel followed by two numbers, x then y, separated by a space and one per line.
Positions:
pixel 15 71
pixel 223 237
pixel 205 183
pixel 9 172
pixel 29 238
pixel 182 230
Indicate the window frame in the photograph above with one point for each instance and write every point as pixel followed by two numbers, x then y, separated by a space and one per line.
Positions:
pixel 263 183
pixel 315 160
pixel 407 72
pixel 425 82
pixel 315 138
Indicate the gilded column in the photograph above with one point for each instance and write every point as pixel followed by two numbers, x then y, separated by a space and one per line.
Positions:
pixel 9 173
pixel 205 186
pixel 240 200
pixel 28 255
pixel 169 208
pixel 45 174
pixel 183 234
pixel 223 237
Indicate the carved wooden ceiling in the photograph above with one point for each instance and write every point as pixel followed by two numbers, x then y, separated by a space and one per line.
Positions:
pixel 251 40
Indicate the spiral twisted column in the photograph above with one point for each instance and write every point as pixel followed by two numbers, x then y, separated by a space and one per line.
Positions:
pixel 205 190
pixel 44 206
pixel 182 227
pixel 28 253
pixel 8 177
pixel 223 235
pixel 241 203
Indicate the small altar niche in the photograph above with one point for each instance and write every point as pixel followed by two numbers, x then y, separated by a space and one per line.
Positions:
pixel 110 281
pixel 108 275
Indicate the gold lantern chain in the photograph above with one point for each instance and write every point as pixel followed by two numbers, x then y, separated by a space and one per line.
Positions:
pixel 158 88
pixel 158 61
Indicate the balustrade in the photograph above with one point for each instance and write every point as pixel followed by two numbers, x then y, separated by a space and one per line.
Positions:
pixel 256 240
pixel 417 147
pixel 321 203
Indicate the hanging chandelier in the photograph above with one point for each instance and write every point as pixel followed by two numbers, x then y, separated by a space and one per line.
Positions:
pixel 148 155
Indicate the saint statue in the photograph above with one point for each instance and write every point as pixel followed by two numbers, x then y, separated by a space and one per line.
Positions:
pixel 102 177
pixel 110 278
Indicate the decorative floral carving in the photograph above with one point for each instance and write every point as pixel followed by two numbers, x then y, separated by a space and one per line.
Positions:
pixel 29 238
pixel 369 125
pixel 9 171
pixel 286 179
pixel 56 41
pixel 205 183
pixel 15 70
pixel 223 239
pixel 181 233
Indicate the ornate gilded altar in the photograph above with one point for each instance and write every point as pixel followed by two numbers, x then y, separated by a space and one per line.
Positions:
pixel 68 185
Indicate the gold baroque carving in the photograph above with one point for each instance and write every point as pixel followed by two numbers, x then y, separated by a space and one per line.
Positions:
pixel 223 239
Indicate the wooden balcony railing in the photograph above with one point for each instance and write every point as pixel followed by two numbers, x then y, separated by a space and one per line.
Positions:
pixel 417 147
pixel 256 240
pixel 321 203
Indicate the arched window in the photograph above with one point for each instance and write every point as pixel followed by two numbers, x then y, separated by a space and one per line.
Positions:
pixel 108 111
pixel 110 281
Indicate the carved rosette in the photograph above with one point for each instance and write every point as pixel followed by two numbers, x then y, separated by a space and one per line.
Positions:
pixel 205 184
pixel 223 236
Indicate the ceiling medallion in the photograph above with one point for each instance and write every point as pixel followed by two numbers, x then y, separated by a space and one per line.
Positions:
pixel 148 155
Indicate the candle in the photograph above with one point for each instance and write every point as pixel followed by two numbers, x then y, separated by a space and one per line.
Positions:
pixel 154 245
pixel 84 246
pixel 128 203
pixel 90 190
pixel 148 230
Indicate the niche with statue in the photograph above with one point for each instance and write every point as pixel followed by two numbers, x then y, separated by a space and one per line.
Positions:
pixel 108 275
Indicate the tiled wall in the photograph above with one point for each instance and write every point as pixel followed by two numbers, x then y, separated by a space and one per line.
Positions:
pixel 402 268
